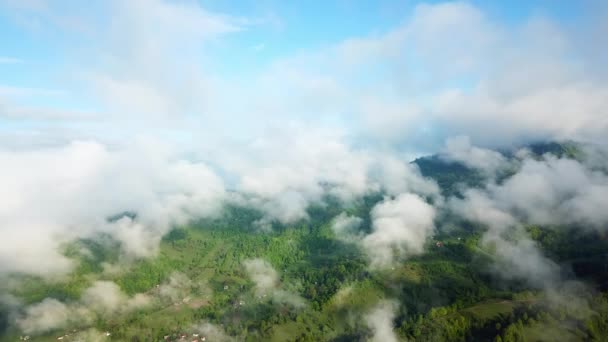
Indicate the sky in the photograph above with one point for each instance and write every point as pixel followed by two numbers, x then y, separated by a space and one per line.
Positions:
pixel 401 74
pixel 169 107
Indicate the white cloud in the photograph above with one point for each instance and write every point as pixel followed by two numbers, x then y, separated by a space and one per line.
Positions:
pixel 106 298
pixel 74 188
pixel 478 207
pixel 148 65
pixel 400 227
pixel 10 60
pixel 388 120
pixel 573 111
pixel 346 227
pixel 179 286
pixel 101 299
pixel 396 176
pixel 518 257
pixel 451 69
pixel 267 283
pixel 551 192
pixel 448 69
pixel 380 321
pixel 55 195
pixel 263 275
pixel 286 171
pixel 47 315
pixel 459 149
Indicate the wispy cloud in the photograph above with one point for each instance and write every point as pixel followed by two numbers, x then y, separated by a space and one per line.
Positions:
pixel 10 91
pixel 10 60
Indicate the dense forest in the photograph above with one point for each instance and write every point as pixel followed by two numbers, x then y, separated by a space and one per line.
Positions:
pixel 223 278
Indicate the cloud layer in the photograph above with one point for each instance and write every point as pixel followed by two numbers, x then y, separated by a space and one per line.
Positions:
pixel 101 299
pixel 55 195
pixel 400 227
pixel 267 283
pixel 158 125
pixel 551 192
pixel 380 321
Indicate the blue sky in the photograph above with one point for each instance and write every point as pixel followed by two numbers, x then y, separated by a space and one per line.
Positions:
pixel 115 63
pixel 285 28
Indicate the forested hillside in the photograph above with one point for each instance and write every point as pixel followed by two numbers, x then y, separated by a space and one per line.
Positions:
pixel 226 278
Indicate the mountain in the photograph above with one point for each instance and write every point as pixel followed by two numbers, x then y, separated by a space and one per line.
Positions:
pixel 230 278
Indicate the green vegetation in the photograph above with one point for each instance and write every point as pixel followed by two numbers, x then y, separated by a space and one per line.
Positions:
pixel 449 176
pixel 449 293
pixel 445 294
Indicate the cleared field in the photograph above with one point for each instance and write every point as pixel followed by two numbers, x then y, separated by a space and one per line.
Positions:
pixel 550 332
pixel 492 309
